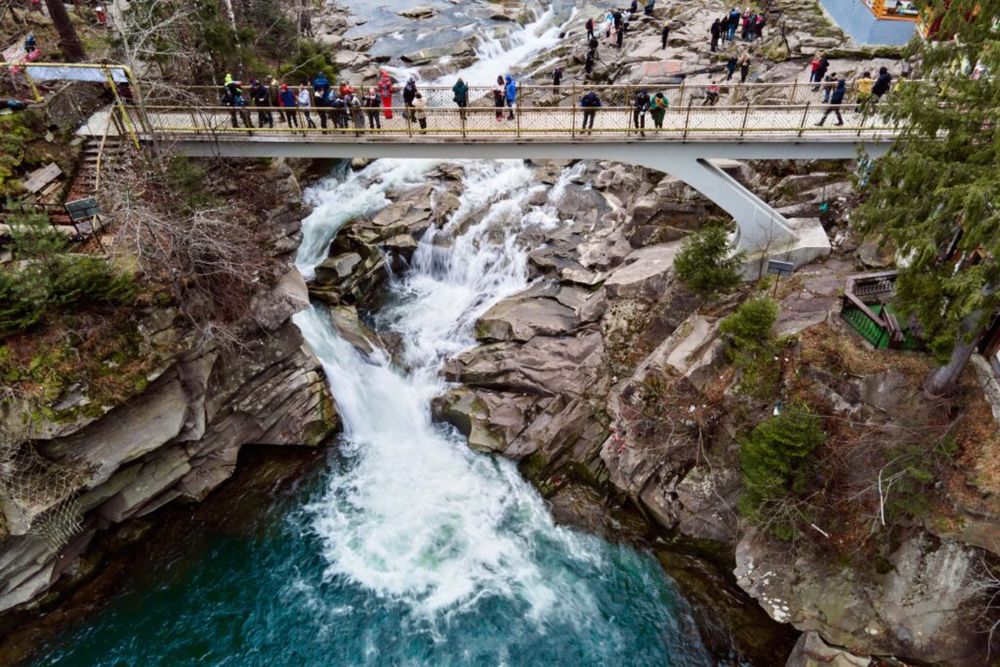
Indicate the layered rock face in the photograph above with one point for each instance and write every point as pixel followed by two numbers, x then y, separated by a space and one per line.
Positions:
pixel 606 373
pixel 176 440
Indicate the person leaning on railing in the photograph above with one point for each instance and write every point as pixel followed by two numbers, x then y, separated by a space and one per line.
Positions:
pixel 288 101
pixel 658 106
pixel 305 103
pixel 371 104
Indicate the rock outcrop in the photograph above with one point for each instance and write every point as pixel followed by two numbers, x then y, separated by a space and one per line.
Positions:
pixel 174 441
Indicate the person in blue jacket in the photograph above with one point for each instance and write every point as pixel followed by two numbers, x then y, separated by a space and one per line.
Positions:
pixel 836 99
pixel 321 97
pixel 510 90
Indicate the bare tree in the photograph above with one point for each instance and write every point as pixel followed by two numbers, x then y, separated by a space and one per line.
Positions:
pixel 210 257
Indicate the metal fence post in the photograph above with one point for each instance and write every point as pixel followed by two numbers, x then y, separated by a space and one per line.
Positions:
pixel 746 115
pixel 680 100
pixel 805 115
pixel 409 123
pixel 572 129
pixel 517 105
pixel 687 118
pixel 795 89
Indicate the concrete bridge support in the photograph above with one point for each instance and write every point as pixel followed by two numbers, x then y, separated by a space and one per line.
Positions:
pixel 763 232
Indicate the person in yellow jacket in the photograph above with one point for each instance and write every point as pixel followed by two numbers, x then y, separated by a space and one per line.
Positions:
pixel 863 91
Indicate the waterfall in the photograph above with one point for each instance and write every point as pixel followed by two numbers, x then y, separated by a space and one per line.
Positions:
pixel 413 515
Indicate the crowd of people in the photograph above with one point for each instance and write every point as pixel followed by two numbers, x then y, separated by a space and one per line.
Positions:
pixel 343 108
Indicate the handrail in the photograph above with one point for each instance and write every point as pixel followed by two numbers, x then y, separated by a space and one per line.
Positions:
pixel 100 150
pixel 851 298
pixel 531 122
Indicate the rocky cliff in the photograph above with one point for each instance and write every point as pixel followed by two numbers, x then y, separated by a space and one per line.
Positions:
pixel 607 375
pixel 80 471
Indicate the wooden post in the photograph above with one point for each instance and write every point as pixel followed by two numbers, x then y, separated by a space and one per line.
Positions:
pixel 795 90
pixel 409 125
pixel 680 100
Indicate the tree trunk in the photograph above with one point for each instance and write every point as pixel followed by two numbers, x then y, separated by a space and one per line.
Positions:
pixel 68 40
pixel 944 380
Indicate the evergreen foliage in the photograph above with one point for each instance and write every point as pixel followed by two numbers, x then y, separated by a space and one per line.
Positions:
pixel 775 464
pixel 753 346
pixel 936 195
pixel 51 279
pixel 706 263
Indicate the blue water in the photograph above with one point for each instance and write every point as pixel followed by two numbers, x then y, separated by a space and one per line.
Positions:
pixel 409 548
pixel 263 599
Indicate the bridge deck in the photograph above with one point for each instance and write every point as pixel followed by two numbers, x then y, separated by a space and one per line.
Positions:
pixel 775 124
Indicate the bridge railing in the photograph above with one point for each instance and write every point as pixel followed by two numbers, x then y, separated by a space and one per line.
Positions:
pixel 490 122
pixel 731 92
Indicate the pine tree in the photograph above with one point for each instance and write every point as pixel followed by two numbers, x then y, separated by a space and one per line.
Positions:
pixel 774 462
pixel 936 195
pixel 706 263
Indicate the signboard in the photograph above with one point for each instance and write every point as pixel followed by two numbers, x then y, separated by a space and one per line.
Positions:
pixel 780 269
pixel 91 74
pixel 82 209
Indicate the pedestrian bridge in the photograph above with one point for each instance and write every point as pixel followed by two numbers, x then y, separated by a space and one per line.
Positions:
pixel 547 123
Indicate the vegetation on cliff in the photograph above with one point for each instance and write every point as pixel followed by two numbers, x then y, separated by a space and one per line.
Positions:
pixel 934 196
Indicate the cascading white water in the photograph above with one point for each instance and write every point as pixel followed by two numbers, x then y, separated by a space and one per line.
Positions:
pixel 417 515
pixel 435 538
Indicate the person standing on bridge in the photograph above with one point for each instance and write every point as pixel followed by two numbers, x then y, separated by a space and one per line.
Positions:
pixel 321 96
pixel 863 91
pixel 409 94
pixel 590 104
pixel 498 98
pixel 510 90
pixel 639 108
pixel 357 114
pixel 420 112
pixel 819 66
pixel 658 109
pixel 716 31
pixel 304 104
pixel 881 85
pixel 371 104
pixel 836 99
pixel 262 100
pixel 385 91
pixel 665 34
pixel 288 101
pixel 461 96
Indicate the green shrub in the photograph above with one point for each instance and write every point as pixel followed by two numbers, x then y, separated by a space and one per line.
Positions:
pixel 775 464
pixel 753 347
pixel 51 279
pixel 706 263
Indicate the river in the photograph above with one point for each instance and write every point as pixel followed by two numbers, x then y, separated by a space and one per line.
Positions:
pixel 408 548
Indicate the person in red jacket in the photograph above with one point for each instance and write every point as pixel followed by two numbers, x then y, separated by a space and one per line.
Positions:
pixel 385 91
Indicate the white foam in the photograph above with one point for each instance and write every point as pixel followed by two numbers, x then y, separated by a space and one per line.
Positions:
pixel 417 516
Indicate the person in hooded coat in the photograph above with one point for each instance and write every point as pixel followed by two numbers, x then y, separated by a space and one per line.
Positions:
pixel 510 90
pixel 639 109
pixel 385 91
pixel 409 94
pixel 461 96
